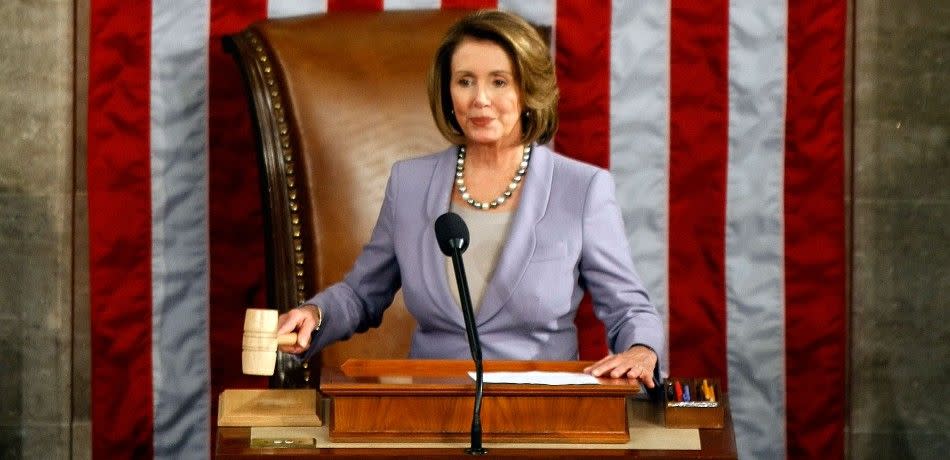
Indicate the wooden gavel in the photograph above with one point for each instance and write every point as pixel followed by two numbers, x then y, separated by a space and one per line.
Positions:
pixel 259 346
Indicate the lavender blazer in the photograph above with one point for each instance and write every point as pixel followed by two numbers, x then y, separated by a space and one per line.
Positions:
pixel 566 235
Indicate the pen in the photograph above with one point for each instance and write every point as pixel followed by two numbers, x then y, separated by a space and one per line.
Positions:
pixel 711 392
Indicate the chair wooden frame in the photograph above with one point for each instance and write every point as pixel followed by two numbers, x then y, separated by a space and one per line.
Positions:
pixel 283 227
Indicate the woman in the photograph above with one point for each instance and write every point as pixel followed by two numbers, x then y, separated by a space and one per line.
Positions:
pixel 544 227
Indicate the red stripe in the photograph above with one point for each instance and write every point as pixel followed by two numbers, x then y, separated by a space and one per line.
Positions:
pixel 815 313
pixel 699 109
pixel 583 71
pixel 354 5
pixel 582 58
pixel 119 181
pixel 236 240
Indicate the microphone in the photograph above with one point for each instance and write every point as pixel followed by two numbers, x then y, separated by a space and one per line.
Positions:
pixel 452 235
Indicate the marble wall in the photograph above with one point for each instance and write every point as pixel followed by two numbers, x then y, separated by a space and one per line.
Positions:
pixel 900 342
pixel 82 344
pixel 36 228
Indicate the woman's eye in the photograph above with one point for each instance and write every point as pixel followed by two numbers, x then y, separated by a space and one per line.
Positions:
pixel 465 82
pixel 500 83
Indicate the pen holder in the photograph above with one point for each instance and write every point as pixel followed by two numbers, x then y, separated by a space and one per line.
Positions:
pixel 703 408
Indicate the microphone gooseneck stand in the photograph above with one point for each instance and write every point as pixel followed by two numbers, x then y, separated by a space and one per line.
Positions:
pixel 469 314
pixel 452 236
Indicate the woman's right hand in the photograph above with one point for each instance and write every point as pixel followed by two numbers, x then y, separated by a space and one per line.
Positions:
pixel 302 320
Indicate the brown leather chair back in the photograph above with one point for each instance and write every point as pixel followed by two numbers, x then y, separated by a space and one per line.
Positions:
pixel 337 99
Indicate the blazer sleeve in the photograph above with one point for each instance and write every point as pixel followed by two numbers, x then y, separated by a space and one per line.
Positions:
pixel 606 269
pixel 358 302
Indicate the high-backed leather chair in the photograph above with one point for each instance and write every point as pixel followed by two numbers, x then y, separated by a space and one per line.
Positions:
pixel 337 99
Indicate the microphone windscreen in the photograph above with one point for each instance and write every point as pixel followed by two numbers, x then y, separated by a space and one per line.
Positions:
pixel 448 227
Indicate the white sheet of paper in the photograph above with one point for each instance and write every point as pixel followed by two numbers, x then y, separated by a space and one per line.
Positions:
pixel 539 378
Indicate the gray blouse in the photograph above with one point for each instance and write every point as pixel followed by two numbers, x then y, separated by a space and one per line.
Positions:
pixel 488 232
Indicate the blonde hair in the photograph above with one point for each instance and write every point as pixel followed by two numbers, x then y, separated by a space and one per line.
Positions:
pixel 533 69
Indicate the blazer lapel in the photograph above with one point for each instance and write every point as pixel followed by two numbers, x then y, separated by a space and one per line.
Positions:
pixel 432 260
pixel 513 261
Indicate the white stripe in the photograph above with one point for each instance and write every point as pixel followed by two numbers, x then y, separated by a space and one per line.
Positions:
pixel 639 137
pixel 288 8
pixel 538 12
pixel 755 316
pixel 179 184
pixel 411 4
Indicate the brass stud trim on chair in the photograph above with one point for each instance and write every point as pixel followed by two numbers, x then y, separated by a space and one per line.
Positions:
pixel 277 104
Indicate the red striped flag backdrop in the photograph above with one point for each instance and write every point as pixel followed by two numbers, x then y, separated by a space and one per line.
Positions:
pixel 722 124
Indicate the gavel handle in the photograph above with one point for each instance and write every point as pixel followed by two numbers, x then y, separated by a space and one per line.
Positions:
pixel 289 338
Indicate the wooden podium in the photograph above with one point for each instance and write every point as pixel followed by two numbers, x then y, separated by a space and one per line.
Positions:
pixel 396 408
pixel 432 400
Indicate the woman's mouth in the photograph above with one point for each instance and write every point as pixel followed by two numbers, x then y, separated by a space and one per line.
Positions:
pixel 480 121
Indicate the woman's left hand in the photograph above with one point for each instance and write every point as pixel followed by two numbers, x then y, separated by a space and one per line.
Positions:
pixel 636 363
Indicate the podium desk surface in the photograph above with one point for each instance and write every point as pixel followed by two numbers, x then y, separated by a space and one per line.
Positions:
pixel 234 443
pixel 407 376
pixel 357 377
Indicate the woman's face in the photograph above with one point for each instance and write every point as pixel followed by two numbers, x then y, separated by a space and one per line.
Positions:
pixel 485 95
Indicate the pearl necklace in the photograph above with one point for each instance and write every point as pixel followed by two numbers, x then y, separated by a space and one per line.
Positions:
pixel 463 191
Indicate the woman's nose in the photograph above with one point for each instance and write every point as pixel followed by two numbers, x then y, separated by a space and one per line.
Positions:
pixel 481 97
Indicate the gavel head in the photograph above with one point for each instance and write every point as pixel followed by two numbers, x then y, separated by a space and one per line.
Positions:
pixel 259 345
